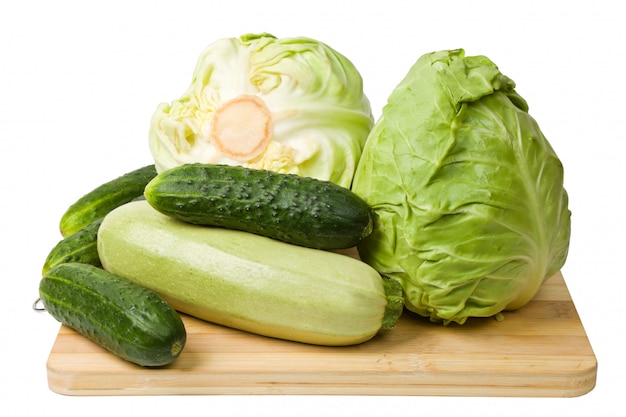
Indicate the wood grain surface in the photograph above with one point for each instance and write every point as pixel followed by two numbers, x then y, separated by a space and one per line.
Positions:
pixel 541 350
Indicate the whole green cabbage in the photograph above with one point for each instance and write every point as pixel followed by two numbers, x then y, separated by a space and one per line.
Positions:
pixel 471 216
pixel 291 105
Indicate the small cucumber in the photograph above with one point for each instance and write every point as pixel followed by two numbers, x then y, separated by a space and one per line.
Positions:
pixel 78 247
pixel 299 210
pixel 97 203
pixel 247 281
pixel 131 321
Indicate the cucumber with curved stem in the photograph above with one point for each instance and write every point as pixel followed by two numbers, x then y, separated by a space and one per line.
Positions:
pixel 98 202
pixel 246 281
pixel 298 210
pixel 129 320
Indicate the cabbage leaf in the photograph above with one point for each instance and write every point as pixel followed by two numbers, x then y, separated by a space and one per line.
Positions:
pixel 471 215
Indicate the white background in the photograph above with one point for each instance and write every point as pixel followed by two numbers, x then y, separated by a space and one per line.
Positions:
pixel 80 80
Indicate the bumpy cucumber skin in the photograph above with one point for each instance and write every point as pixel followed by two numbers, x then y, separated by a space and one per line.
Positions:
pixel 101 200
pixel 245 281
pixel 298 210
pixel 130 321
pixel 78 247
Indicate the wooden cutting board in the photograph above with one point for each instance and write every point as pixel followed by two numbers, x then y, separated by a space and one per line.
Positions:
pixel 540 350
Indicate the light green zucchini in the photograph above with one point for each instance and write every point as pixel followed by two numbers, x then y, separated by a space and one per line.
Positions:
pixel 246 281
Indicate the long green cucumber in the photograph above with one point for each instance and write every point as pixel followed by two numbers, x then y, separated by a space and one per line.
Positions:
pixel 247 281
pixel 98 202
pixel 298 210
pixel 129 320
pixel 78 247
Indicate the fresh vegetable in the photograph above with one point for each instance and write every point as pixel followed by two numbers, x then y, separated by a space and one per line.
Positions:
pixel 247 281
pixel 298 210
pixel 291 105
pixel 98 202
pixel 470 213
pixel 130 321
pixel 78 247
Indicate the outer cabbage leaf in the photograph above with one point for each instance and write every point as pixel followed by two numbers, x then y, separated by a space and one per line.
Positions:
pixel 471 216
pixel 297 101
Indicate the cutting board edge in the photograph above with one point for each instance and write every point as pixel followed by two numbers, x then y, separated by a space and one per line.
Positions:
pixel 574 388
pixel 576 378
pixel 557 383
